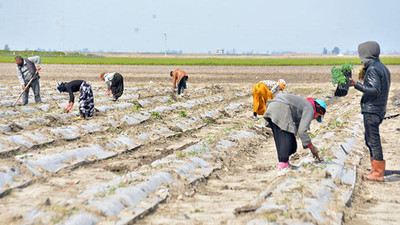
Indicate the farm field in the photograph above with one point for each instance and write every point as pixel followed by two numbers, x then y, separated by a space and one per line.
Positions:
pixel 156 158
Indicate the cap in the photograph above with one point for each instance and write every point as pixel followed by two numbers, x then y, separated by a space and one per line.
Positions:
pixel 320 107
pixel 102 75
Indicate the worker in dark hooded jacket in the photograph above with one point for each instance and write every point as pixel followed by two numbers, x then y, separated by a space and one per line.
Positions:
pixel 375 89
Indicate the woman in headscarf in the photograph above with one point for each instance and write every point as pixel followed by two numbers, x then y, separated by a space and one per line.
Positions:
pixel 86 99
pixel 289 115
pixel 264 91
pixel 115 84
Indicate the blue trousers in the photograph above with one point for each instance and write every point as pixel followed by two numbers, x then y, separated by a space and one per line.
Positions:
pixel 36 91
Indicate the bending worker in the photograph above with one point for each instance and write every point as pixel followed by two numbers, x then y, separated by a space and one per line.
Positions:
pixel 115 84
pixel 86 100
pixel 290 115
pixel 264 91
pixel 179 76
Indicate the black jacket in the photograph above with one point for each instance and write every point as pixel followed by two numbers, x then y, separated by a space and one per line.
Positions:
pixel 375 88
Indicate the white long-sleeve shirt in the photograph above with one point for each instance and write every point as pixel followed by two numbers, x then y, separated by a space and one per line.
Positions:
pixel 108 78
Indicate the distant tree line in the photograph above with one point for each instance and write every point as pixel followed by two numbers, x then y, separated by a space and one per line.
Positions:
pixel 335 50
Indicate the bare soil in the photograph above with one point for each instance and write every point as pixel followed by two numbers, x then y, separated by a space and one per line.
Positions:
pixel 235 175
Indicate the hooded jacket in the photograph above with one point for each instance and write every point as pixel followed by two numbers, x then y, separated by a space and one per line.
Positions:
pixel 376 83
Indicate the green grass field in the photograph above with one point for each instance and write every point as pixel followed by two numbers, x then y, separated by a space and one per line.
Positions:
pixel 215 61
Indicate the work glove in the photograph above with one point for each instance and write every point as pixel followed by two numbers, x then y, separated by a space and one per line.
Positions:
pixel 69 107
pixel 315 151
pixel 108 91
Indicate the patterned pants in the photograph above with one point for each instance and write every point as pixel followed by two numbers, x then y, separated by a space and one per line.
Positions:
pixel 86 100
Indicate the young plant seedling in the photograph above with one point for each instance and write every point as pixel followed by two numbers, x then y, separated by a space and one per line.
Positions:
pixel 182 114
pixel 156 115
pixel 337 73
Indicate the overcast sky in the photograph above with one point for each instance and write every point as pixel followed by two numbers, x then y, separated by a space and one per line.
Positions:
pixel 199 26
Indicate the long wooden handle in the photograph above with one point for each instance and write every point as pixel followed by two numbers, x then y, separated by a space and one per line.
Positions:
pixel 26 87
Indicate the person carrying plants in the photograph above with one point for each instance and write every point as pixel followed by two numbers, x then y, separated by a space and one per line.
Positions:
pixel 375 89
pixel 289 115
pixel 27 71
pixel 179 76
pixel 86 100
pixel 264 91
pixel 115 84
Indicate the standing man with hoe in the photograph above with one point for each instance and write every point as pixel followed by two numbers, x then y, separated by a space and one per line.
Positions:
pixel 375 89
pixel 27 72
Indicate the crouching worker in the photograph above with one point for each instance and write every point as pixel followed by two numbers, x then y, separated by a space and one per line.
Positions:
pixel 290 115
pixel 86 100
pixel 264 91
pixel 115 84
pixel 179 76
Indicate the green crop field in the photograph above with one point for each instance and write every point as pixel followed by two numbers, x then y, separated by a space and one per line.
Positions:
pixel 215 61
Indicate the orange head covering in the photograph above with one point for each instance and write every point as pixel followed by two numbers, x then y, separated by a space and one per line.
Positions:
pixel 261 95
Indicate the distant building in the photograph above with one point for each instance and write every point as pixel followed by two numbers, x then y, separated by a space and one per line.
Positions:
pixel 219 51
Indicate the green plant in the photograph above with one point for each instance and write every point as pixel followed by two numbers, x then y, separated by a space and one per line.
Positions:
pixel 192 153
pixel 329 159
pixel 347 67
pixel 197 211
pixel 169 102
pixel 313 135
pixel 337 73
pixel 156 115
pixel 323 150
pixel 228 130
pixel 182 113
pixel 180 155
pixel 337 76
pixel 334 124
pixel 112 190
pixel 137 108
pixel 271 217
pixel 207 121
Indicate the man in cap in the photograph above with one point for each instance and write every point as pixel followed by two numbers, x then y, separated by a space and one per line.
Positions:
pixel 27 70
pixel 289 115
pixel 375 89
pixel 264 91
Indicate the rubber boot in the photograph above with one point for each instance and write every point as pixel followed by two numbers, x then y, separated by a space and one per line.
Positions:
pixel 369 172
pixel 378 171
